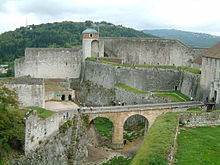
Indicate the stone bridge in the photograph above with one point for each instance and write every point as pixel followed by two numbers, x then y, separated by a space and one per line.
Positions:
pixel 119 114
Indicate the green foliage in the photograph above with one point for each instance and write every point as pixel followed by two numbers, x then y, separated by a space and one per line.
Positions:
pixel 90 59
pixel 85 119
pixel 42 113
pixel 11 130
pixel 158 141
pixel 128 88
pixel 192 70
pixel 55 35
pixel 194 110
pixel 63 128
pixel 118 161
pixel 133 132
pixel 7 97
pixel 104 127
pixel 200 145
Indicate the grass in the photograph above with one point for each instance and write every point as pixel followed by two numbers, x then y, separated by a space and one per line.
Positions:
pixel 158 141
pixel 130 89
pixel 174 96
pixel 200 146
pixel 191 70
pixel 104 127
pixel 118 161
pixel 42 113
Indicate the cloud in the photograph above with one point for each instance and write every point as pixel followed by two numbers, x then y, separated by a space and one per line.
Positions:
pixel 140 14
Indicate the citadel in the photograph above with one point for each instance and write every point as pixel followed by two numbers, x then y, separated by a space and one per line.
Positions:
pixel 69 66
pixel 91 75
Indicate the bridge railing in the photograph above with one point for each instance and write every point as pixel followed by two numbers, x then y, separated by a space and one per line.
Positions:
pixel 140 107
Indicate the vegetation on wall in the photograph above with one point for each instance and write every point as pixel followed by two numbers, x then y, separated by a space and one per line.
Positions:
pixel 42 113
pixel 174 96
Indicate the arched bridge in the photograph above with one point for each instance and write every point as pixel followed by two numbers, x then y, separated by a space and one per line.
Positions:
pixel 119 114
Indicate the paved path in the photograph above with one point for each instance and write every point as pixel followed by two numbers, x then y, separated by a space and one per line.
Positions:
pixel 58 106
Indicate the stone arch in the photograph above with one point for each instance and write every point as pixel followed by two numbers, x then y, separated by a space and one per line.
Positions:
pixel 101 136
pixel 95 48
pixel 135 122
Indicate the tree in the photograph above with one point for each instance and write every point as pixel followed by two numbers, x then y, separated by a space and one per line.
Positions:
pixel 7 97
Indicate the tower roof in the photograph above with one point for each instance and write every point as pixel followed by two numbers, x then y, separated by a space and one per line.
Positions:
pixel 213 52
pixel 89 30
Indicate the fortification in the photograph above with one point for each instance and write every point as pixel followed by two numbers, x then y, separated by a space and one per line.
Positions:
pixel 150 51
pixel 30 91
pixel 50 63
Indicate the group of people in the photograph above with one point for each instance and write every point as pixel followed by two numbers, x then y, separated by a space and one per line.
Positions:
pixel 83 109
pixel 120 103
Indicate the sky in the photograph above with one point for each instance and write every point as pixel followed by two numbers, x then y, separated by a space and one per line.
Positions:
pixel 190 15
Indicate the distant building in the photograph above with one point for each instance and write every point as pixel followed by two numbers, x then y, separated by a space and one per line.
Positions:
pixel 3 68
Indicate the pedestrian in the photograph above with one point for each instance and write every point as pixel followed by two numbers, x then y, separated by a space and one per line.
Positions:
pixel 91 108
pixel 207 99
pixel 78 110
pixel 119 103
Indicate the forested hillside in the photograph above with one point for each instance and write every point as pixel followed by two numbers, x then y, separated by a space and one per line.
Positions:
pixel 63 34
pixel 190 38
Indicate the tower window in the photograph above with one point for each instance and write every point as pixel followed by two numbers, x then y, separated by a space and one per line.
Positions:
pixel 90 35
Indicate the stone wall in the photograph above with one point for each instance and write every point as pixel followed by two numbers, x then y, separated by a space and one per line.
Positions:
pixel 146 79
pixel 189 84
pixel 94 95
pixel 200 119
pixel 50 63
pixel 132 98
pixel 30 91
pixel 67 146
pixel 151 51
pixel 210 72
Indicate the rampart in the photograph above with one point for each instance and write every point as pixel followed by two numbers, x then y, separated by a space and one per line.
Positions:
pixel 151 51
pixel 200 119
pixel 146 79
pixel 38 130
pixel 50 63
pixel 30 91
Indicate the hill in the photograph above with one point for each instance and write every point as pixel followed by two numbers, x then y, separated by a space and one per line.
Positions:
pixel 63 34
pixel 190 38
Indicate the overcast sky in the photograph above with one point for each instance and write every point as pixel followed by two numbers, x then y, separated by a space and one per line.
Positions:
pixel 190 15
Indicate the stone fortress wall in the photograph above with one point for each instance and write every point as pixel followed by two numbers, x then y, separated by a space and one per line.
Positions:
pixel 50 63
pixel 30 91
pixel 38 130
pixel 146 79
pixel 210 77
pixel 151 51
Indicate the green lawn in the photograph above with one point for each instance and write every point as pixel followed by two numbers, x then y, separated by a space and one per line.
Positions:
pixel 198 146
pixel 158 141
pixel 174 96
pixel 42 113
